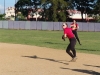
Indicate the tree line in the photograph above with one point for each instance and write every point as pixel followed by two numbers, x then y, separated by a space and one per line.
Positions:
pixel 56 10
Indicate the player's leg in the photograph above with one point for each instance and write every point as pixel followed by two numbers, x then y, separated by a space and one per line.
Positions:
pixel 76 35
pixel 72 44
pixel 68 50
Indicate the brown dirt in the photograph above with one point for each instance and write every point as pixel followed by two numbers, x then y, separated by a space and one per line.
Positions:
pixel 16 59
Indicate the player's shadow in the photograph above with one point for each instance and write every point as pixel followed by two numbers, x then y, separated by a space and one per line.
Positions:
pixel 83 71
pixel 91 65
pixel 53 60
pixel 54 43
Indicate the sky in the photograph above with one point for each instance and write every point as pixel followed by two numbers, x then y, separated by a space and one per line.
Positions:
pixel 8 3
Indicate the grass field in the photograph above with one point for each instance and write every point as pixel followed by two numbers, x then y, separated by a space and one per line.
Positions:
pixel 52 39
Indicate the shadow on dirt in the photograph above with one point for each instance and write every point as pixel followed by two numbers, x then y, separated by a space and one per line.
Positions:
pixel 54 43
pixel 91 65
pixel 53 60
pixel 83 71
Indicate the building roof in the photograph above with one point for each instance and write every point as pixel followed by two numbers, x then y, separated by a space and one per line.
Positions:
pixel 74 14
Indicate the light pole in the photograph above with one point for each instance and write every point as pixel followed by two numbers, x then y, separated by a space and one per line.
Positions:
pixel 15 10
pixel 4 6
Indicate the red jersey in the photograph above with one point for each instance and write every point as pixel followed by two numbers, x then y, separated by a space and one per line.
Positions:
pixel 75 24
pixel 68 32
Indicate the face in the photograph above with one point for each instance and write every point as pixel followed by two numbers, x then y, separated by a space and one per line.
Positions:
pixel 64 26
pixel 74 21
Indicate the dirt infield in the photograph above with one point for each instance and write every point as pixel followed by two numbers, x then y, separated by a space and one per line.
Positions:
pixel 16 59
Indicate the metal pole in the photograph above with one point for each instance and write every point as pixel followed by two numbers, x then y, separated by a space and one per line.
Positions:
pixel 4 6
pixel 15 11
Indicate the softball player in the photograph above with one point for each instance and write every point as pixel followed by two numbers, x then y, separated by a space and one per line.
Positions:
pixel 71 47
pixel 74 27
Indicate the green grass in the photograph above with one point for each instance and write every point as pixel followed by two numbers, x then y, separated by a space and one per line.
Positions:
pixel 52 39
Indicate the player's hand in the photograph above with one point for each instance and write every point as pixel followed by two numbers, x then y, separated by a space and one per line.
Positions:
pixel 63 38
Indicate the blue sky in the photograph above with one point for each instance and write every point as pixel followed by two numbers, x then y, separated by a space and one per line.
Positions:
pixel 8 3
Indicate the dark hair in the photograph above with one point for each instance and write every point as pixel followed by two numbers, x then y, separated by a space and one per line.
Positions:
pixel 66 24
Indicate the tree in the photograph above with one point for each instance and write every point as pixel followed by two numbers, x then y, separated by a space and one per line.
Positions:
pixel 25 5
pixel 55 10
pixel 96 9
pixel 2 16
pixel 85 6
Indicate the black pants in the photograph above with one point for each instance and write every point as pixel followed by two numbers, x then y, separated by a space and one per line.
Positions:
pixel 71 48
pixel 76 35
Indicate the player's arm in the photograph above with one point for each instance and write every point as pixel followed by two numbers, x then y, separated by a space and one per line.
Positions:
pixel 77 27
pixel 64 36
pixel 73 26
